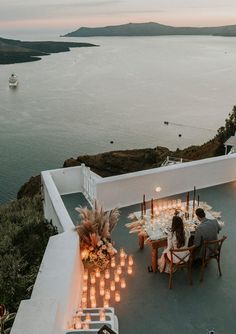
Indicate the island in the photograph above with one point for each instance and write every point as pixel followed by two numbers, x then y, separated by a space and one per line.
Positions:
pixel 16 51
pixel 152 29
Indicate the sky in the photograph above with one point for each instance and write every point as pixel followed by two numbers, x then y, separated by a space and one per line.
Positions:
pixel 69 15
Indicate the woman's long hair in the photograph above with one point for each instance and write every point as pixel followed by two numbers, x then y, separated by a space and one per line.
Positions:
pixel 178 228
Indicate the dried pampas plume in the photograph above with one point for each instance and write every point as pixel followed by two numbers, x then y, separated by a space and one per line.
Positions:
pixel 96 224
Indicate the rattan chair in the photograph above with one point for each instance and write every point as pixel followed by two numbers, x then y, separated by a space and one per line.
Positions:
pixel 178 261
pixel 211 250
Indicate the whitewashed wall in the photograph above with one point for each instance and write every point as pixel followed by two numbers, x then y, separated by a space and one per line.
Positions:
pixel 128 189
pixel 57 290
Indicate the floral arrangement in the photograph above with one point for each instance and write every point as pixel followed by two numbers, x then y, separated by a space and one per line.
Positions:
pixel 94 231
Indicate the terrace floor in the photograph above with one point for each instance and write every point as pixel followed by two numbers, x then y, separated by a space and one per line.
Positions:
pixel 148 306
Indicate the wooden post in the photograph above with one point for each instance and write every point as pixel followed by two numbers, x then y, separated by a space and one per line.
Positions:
pixel 152 209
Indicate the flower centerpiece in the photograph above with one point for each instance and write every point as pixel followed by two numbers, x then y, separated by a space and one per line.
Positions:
pixel 94 231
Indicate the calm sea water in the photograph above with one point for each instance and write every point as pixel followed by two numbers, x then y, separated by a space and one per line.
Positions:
pixel 75 103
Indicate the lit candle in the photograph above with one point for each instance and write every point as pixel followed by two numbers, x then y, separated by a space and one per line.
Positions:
pixel 102 291
pixel 129 270
pixel 93 303
pixel 102 282
pixel 78 324
pixel 85 325
pixel 107 274
pixel 117 296
pixel 84 304
pixel 92 278
pixel 107 294
pixel 102 315
pixel 130 260
pixel 92 290
pixel 97 273
pixel 87 317
pixel 113 262
pixel 122 253
pixel 85 276
pixel 119 270
pixel 122 262
pixel 84 298
pixel 85 287
pixel 105 302
pixel 112 285
pixel 122 283
pixel 116 277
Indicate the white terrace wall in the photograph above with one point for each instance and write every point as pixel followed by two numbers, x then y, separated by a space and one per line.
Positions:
pixel 128 189
pixel 57 289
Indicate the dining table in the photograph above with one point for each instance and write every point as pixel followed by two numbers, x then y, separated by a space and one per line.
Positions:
pixel 152 228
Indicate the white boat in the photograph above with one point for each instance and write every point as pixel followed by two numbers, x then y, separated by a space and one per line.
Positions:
pixel 13 81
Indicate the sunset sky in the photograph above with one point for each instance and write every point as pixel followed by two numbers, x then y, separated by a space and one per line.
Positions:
pixel 66 15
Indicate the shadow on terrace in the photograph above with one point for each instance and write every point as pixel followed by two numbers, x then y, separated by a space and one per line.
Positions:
pixel 148 306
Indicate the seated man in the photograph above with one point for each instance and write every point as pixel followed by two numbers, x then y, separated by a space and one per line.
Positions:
pixel 208 230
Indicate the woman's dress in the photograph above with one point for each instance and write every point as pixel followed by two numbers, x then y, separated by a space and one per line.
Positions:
pixel 164 261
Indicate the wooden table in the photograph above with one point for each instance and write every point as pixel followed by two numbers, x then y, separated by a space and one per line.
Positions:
pixel 155 245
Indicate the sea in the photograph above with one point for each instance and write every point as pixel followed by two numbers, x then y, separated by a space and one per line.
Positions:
pixel 130 92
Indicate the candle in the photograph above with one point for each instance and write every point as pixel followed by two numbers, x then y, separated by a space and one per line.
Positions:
pixel 130 260
pixel 87 317
pixel 107 274
pixel 84 305
pixel 92 278
pixel 93 303
pixel 194 198
pixel 102 291
pixel 85 325
pixel 122 283
pixel 112 285
pixel 113 262
pixel 85 287
pixel 97 273
pixel 187 202
pixel 119 270
pixel 102 282
pixel 92 290
pixel 129 270
pixel 85 276
pixel 78 324
pixel 198 200
pixel 84 298
pixel 107 294
pixel 102 315
pixel 105 302
pixel 152 212
pixel 116 277
pixel 117 296
pixel 144 205
pixel 122 253
pixel 141 210
pixel 122 262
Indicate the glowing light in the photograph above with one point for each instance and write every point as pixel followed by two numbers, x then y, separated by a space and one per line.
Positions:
pixel 102 315
pixel 105 302
pixel 97 273
pixel 130 271
pixel 107 274
pixel 107 294
pixel 102 291
pixel 117 296
pixel 122 283
pixel 116 278
pixel 130 260
pixel 85 276
pixel 158 189
pixel 113 262
pixel 112 285
pixel 119 270
pixel 92 278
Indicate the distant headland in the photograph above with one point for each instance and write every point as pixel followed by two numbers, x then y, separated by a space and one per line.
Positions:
pixel 152 29
pixel 16 51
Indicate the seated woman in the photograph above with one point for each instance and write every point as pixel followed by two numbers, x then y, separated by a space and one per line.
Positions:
pixel 177 238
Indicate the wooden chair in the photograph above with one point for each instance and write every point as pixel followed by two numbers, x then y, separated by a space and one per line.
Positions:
pixel 179 261
pixel 211 250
